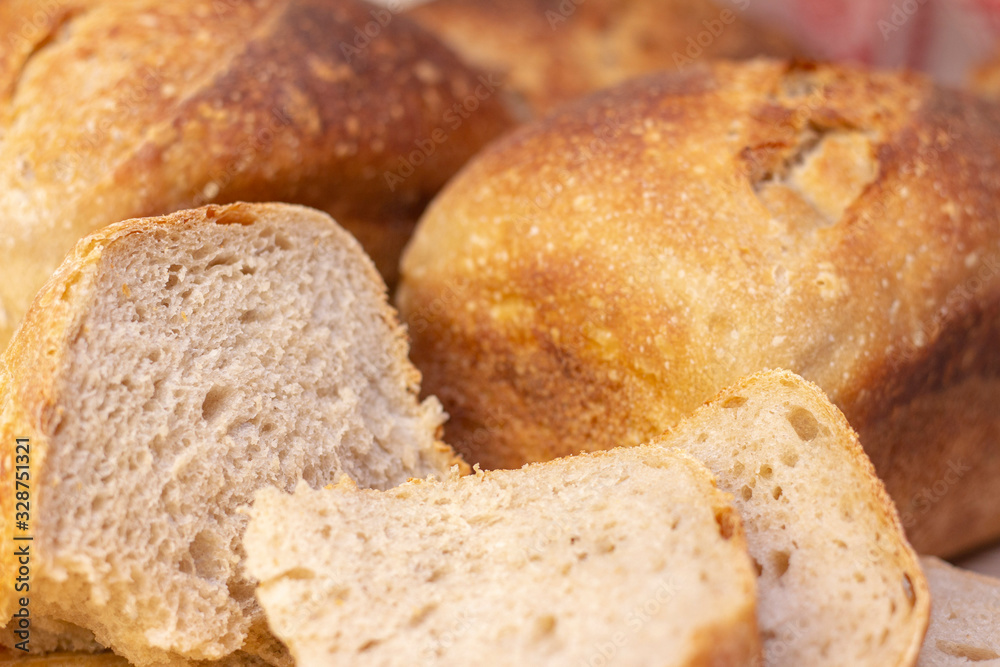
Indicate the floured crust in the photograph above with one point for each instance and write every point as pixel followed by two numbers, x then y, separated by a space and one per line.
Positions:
pixel 593 277
pixel 217 102
pixel 551 52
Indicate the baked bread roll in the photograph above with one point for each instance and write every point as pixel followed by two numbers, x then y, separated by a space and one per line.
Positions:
pixel 965 618
pixel 630 557
pixel 168 370
pixel 115 110
pixel 553 51
pixel 593 277
pixel 838 583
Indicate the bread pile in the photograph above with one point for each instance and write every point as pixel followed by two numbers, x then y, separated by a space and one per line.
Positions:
pixel 116 110
pixel 231 461
pixel 553 51
pixel 593 277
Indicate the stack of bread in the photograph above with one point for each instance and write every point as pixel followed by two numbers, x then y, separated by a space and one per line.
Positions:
pixel 718 343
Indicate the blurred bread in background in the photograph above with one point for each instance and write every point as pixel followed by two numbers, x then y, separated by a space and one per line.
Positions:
pixel 113 110
pixel 553 51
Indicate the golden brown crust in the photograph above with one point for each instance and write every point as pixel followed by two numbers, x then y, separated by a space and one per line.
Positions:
pixel 551 51
pixel 592 278
pixel 985 79
pixel 31 370
pixel 220 102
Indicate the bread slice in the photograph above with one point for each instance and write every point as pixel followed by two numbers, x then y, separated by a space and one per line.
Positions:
pixel 628 557
pixel 170 368
pixel 965 617
pixel 838 582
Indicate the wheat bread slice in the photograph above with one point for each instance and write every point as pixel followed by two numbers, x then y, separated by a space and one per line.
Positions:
pixel 626 557
pixel 170 368
pixel 838 582
pixel 965 617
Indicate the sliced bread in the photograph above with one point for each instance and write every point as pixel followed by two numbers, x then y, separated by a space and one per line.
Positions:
pixel 965 617
pixel 839 584
pixel 168 370
pixel 628 557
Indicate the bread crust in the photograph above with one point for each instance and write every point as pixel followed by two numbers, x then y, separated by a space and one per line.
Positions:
pixel 591 278
pixel 31 398
pixel 219 102
pixel 552 52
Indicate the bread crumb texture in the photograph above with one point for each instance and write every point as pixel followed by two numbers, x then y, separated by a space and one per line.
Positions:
pixel 254 347
pixel 630 556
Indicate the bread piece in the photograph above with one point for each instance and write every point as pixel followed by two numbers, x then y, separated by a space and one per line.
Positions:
pixel 839 584
pixel 630 557
pixel 592 278
pixel 169 369
pixel 553 51
pixel 164 106
pixel 965 617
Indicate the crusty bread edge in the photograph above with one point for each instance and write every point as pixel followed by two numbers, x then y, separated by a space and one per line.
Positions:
pixel 908 556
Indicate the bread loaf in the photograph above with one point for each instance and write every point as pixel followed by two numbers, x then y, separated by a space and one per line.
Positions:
pixel 168 370
pixel 114 110
pixel 838 583
pixel 591 278
pixel 630 557
pixel 965 618
pixel 554 51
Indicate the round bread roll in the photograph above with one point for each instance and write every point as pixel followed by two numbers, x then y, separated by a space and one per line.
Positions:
pixel 112 110
pixel 552 51
pixel 593 277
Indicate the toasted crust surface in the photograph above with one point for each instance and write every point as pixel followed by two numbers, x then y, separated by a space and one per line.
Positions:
pixel 167 106
pixel 551 52
pixel 594 276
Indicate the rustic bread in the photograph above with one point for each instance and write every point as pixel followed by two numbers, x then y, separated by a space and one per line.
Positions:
pixel 838 582
pixel 593 277
pixel 170 368
pixel 965 617
pixel 629 557
pixel 553 51
pixel 163 106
